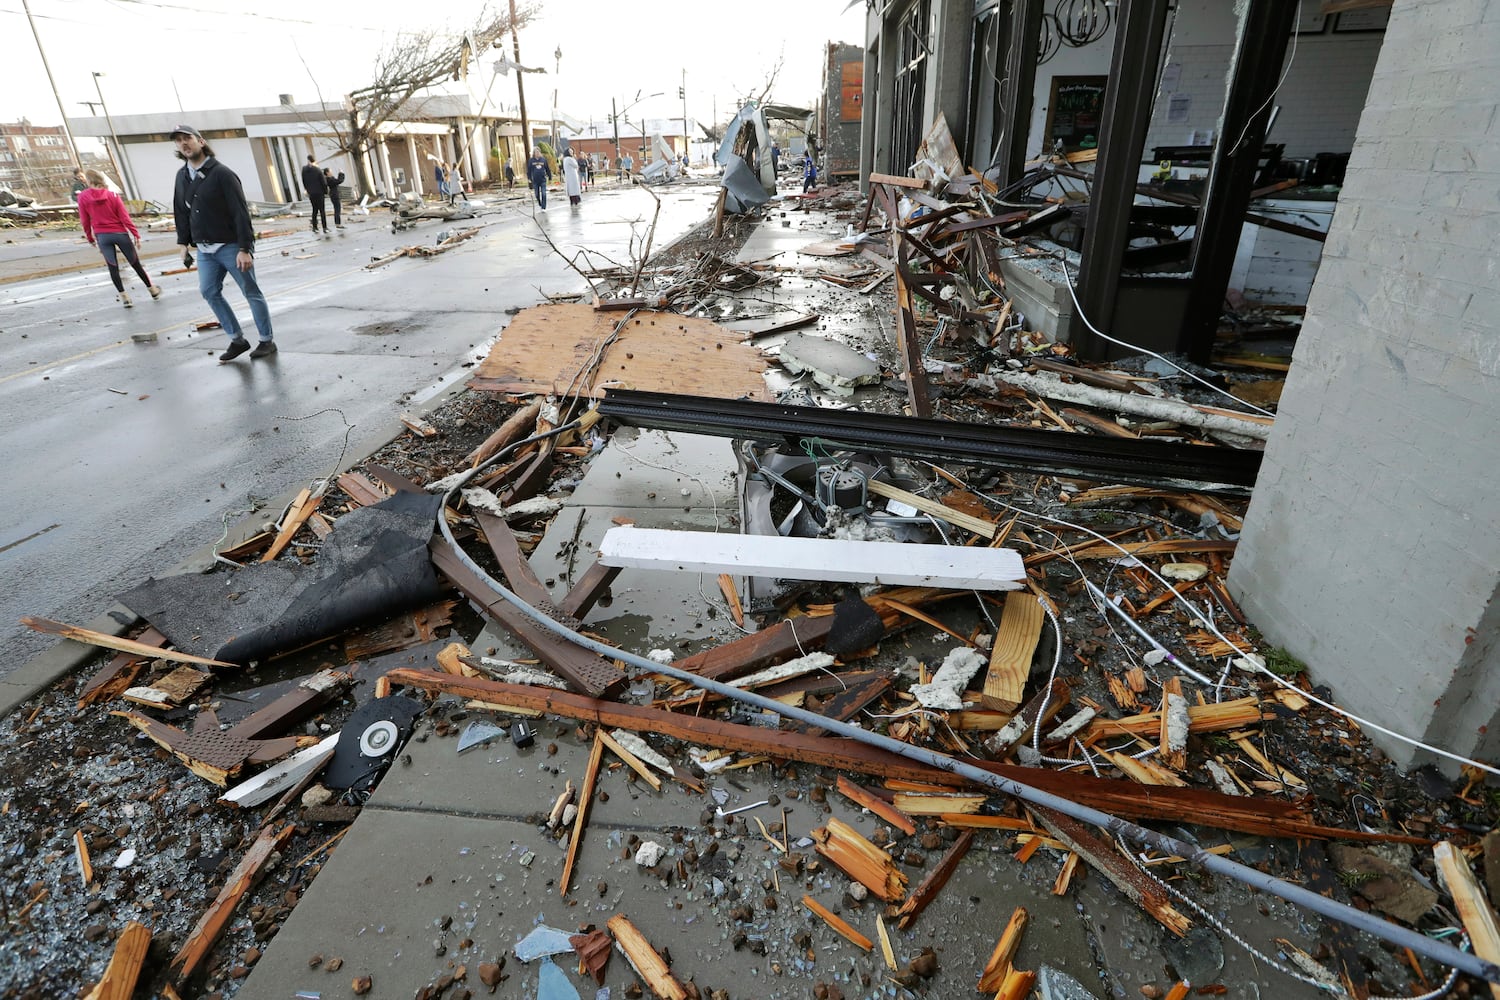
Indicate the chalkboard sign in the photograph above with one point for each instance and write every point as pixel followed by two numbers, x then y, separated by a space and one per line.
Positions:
pixel 1075 112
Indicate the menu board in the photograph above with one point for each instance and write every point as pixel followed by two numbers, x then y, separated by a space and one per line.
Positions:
pixel 1075 112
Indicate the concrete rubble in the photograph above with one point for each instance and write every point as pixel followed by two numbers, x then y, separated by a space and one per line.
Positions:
pixel 487 784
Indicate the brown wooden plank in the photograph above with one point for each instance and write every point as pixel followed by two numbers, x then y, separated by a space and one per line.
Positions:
pixel 849 701
pixel 301 509
pixel 120 672
pixel 644 959
pixel 838 924
pixel 1266 817
pixel 1101 424
pixel 393 480
pixel 880 807
pixel 1088 376
pixel 1004 954
pixel 731 660
pixel 918 899
pixel 1105 859
pixel 209 926
pixel 517 426
pixel 585 796
pixel 118 981
pixel 584 670
pixel 908 346
pixel 1468 899
pixel 92 638
pixel 507 550
pixel 310 694
pixel 590 587
pixel 360 489
pixel 897 180
pixel 1044 706
pixel 1011 654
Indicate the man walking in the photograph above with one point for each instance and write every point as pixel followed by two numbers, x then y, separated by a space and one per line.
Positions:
pixel 332 183
pixel 538 173
pixel 317 189
pixel 210 210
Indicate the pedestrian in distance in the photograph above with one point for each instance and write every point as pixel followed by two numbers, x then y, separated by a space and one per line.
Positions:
pixel 572 183
pixel 456 185
pixel 107 224
pixel 538 173
pixel 209 206
pixel 510 174
pixel 317 190
pixel 809 173
pixel 775 159
pixel 80 185
pixel 332 184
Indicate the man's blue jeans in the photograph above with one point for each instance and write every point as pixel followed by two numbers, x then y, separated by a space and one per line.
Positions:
pixel 211 270
pixel 539 189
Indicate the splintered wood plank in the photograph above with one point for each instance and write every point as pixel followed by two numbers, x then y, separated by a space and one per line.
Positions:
pixel 1105 859
pixel 585 593
pixel 544 349
pixel 518 425
pixel 876 805
pixel 107 641
pixel 828 559
pixel 1171 737
pixel 301 509
pixel 513 563
pixel 644 959
pixel 977 525
pixel 120 672
pixel 401 632
pixel 751 652
pixel 849 701
pixel 360 488
pixel 209 926
pixel 861 860
pixel 1468 899
pixel 1010 656
pixel 585 796
pixel 631 760
pixel 924 893
pixel 1004 954
pixel 839 924
pixel 118 981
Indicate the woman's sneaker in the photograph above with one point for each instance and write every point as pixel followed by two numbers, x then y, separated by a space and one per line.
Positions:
pixel 155 291
pixel 124 298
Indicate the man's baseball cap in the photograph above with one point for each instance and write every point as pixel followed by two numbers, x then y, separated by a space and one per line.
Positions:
pixel 185 130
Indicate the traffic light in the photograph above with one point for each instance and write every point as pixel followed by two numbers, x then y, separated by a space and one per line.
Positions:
pixel 679 93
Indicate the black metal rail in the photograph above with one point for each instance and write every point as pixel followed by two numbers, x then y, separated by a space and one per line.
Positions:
pixel 1113 460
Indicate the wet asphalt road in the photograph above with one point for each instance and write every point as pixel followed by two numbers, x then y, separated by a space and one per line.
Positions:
pixel 123 458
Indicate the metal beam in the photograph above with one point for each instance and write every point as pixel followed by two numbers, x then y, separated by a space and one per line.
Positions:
pixel 1258 55
pixel 1114 460
pixel 1023 37
pixel 1122 139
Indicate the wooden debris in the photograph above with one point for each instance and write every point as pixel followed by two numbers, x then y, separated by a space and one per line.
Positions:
pixel 1173 731
pixel 1043 707
pixel 998 966
pixel 418 426
pixel 1017 986
pixel 838 924
pixel 1468 899
pixel 593 951
pixel 979 526
pixel 402 632
pixel 1106 860
pixel 360 488
pixel 212 754
pixel 209 926
pixel 732 598
pixel 120 672
pixel 880 807
pixel 516 427
pixel 301 509
pixel 939 804
pixel 644 959
pixel 585 796
pixel 1213 718
pixel 81 854
pixel 933 883
pixel 169 691
pixel 791 637
pixel 590 587
pixel 1065 876
pixel 631 760
pixel 92 638
pixel 1011 654
pixel 861 860
pixel 119 979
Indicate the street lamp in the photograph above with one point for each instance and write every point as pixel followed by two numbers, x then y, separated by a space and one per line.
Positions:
pixel 125 178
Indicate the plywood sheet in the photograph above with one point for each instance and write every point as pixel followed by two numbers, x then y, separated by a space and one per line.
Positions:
pixel 550 349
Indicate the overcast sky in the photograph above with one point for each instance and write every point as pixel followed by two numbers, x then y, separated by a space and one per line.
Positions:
pixel 200 54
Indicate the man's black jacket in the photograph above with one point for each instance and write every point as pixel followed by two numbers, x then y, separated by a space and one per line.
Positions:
pixel 332 183
pixel 212 209
pixel 312 181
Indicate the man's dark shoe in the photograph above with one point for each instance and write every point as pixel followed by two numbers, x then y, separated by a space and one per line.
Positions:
pixel 264 349
pixel 237 347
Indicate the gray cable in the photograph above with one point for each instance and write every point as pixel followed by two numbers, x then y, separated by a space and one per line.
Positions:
pixel 1115 826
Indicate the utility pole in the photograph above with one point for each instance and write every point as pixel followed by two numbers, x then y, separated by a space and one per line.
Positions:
pixel 131 190
pixel 515 42
pixel 682 93
pixel 72 146
pixel 614 119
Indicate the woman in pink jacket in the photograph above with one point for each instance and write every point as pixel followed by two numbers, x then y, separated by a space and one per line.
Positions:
pixel 106 223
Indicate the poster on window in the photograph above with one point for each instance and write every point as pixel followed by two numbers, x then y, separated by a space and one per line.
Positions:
pixel 1075 112
pixel 852 90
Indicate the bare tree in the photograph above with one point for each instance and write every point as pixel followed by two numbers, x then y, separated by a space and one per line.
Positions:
pixel 420 60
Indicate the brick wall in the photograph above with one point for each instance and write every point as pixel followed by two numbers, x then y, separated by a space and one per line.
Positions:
pixel 1371 548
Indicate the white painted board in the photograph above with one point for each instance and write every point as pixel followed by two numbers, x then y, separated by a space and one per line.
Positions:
pixel 829 559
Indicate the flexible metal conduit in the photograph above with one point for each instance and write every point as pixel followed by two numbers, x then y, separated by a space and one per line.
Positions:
pixel 1400 936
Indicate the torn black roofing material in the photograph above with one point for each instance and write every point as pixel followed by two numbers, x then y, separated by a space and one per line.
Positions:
pixel 375 564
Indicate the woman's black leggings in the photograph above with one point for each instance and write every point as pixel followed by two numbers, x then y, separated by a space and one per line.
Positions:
pixel 109 245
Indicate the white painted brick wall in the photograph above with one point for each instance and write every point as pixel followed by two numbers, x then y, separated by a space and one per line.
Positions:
pixel 1371 547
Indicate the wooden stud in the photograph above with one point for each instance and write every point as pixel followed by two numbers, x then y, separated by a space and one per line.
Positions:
pixel 1010 656
pixel 92 638
pixel 1017 985
pixel 1468 899
pixel 927 890
pixel 998 966
pixel 209 926
pixel 838 924
pixel 118 981
pixel 585 796
pixel 644 959
pixel 630 759
pixel 880 807
pixel 1064 877
pixel 301 509
pixel 976 525
pixel 861 860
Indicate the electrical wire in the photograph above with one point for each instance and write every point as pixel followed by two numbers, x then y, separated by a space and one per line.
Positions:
pixel 1115 826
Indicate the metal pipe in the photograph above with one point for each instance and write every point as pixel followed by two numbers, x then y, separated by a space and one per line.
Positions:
pixel 1400 936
